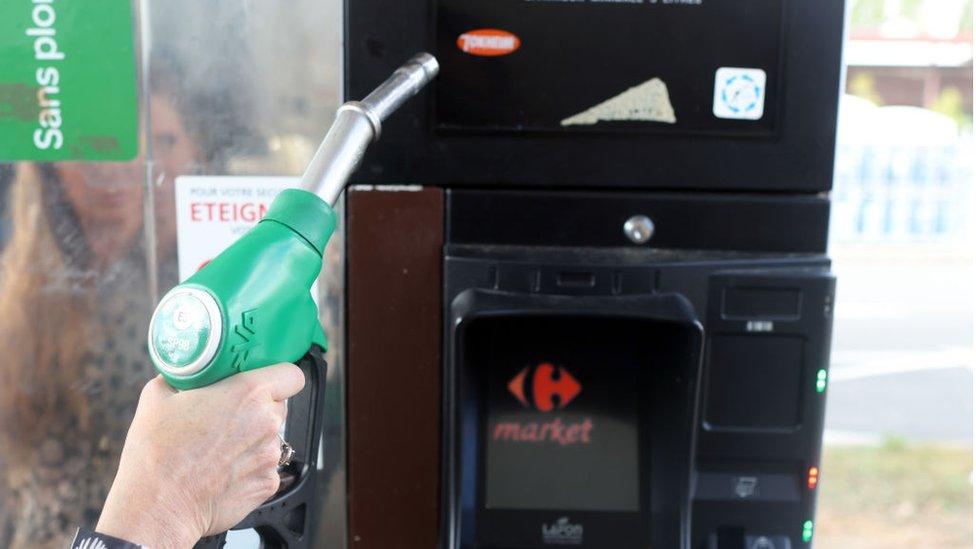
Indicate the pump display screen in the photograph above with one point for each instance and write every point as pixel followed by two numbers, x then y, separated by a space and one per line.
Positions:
pixel 579 457
pixel 667 66
pixel 574 427
pixel 562 423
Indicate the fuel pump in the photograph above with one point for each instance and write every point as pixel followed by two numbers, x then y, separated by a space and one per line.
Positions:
pixel 252 306
pixel 608 323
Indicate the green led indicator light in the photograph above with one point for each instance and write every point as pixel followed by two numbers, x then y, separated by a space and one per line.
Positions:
pixel 808 531
pixel 821 380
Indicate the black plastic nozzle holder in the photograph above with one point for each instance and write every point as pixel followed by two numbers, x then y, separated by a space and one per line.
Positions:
pixel 285 521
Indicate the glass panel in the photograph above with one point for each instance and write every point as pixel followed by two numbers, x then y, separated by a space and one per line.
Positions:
pixel 74 306
pixel 227 88
pixel 247 88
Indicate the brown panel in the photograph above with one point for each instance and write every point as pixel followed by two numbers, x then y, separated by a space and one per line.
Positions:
pixel 394 246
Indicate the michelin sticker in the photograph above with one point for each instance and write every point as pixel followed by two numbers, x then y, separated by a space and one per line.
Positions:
pixel 740 94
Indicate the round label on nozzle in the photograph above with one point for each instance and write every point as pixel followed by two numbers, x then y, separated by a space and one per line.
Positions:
pixel 184 332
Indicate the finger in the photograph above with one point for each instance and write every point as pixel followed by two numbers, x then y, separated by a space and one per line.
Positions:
pixel 157 388
pixel 262 456
pixel 281 381
pixel 271 484
pixel 281 411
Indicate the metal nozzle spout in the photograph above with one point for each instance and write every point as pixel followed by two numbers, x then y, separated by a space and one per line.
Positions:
pixel 403 84
pixel 358 123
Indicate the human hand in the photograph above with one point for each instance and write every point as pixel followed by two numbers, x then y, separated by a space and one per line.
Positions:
pixel 195 463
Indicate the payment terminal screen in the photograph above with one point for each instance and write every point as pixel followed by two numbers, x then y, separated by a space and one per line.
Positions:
pixel 561 426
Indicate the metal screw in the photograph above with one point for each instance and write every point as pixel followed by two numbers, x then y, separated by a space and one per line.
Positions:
pixel 639 229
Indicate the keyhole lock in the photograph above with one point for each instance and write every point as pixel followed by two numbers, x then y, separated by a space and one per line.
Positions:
pixel 639 229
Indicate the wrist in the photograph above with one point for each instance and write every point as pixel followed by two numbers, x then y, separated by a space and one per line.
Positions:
pixel 85 538
pixel 146 530
pixel 148 518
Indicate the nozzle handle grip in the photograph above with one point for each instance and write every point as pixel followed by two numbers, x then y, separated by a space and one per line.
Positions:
pixel 277 520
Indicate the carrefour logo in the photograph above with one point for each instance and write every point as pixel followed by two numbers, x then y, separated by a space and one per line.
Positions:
pixel 545 387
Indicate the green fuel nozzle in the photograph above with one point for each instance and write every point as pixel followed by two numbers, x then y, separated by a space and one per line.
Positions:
pixel 252 306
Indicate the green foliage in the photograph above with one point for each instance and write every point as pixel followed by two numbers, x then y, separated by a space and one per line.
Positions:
pixel 950 103
pixel 966 25
pixel 862 85
pixel 867 13
pixel 872 13
pixel 894 444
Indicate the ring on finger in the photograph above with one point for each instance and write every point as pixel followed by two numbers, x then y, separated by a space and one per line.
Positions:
pixel 287 452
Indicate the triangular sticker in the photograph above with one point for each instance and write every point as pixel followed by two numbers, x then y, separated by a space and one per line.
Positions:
pixel 647 102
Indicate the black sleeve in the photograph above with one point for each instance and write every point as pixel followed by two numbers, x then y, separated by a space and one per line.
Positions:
pixel 87 539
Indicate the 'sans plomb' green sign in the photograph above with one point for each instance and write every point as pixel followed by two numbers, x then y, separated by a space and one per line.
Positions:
pixel 67 80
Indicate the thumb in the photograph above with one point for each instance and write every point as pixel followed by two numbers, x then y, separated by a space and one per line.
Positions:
pixel 281 381
pixel 156 389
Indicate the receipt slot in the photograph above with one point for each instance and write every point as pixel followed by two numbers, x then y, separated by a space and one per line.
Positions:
pixel 570 419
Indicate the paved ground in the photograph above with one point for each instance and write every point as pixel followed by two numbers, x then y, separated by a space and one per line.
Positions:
pixel 902 355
